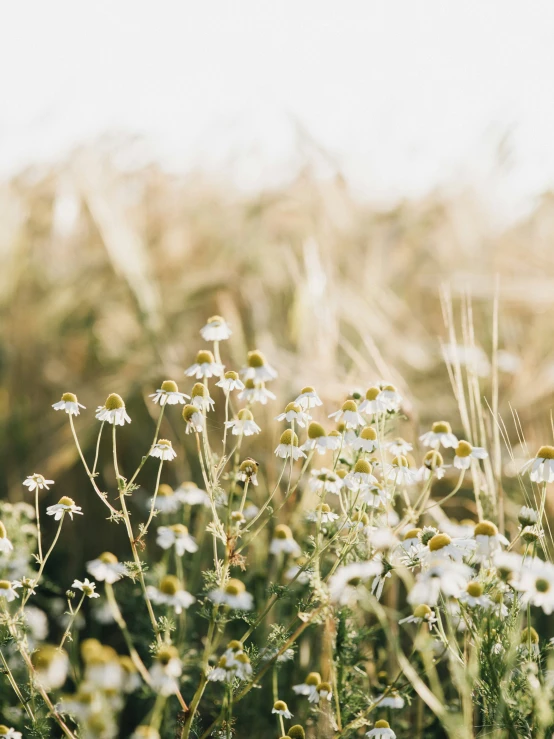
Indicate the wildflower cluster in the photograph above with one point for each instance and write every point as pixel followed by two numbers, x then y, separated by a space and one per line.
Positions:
pixel 321 550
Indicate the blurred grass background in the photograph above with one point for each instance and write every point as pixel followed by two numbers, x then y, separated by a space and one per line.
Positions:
pixel 109 271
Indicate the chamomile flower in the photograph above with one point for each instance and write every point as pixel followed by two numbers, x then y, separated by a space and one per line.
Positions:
pixel 443 546
pixel 283 541
pixel 309 687
pixel 527 516
pixel 488 540
pixel 257 368
pixel 322 513
pixel 433 464
pixel 171 594
pixel 243 424
pixel 349 415
pixel 63 506
pixel 360 478
pixel 113 411
pixel 474 595
pixel 163 449
pixel 399 471
pixel 367 440
pixel 189 493
pixel 216 329
pixel 442 576
pixel 294 413
pixel 37 482
pixel 358 520
pixel 541 468
pixel 411 542
pixel 106 568
pixel 323 692
pixel 281 708
pixel 234 595
pixel 176 536
pixel 165 671
pixel 201 398
pixel 393 699
pixel 536 584
pixel 69 404
pixel 256 392
pixel 230 381
pixel 87 587
pixel 317 439
pixel 9 732
pixel 440 435
pixel 465 453
pixel 308 398
pixel 382 730
pixel 373 404
pixel 8 589
pixel 399 446
pixel 166 501
pixel 288 446
pixel 391 397
pixel 169 394
pixel 325 481
pixel 205 366
pixel 344 584
pixel 5 544
pixel 422 614
pixel 224 672
pixel 51 665
pixel 193 419
pixel 248 471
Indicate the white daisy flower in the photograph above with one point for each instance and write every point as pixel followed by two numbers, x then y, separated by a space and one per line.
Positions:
pixel 465 453
pixel 189 493
pixel 113 411
pixel 421 614
pixel 163 449
pixel 382 730
pixel 309 686
pixel 5 544
pixel 248 470
pixel 234 595
pixel 8 589
pixel 322 513
pixel 373 495
pixel 281 708
pixel 51 666
pixel 193 419
pixel 63 506
pixel 527 516
pixel 243 424
pixel 358 520
pixel 169 394
pixel 325 481
pixel 360 478
pixel 166 501
pixel 323 692
pixel 541 468
pixel 257 368
pixel 441 576
pixel 288 446
pixel 294 413
pixel 344 584
pixel 399 471
pixel 349 415
pixel 390 700
pixel 69 404
pixel 442 545
pixel 373 404
pixel 201 398
pixel 474 596
pixel 205 366
pixel 318 439
pixel 231 381
pixel 171 594
pixel 433 464
pixel 37 482
pixel 176 536
pixel 283 541
pixel 391 397
pixel 411 542
pixel 488 540
pixel 399 446
pixel 308 398
pixel 367 440
pixel 223 673
pixel 256 392
pixel 536 584
pixel 216 329
pixel 87 587
pixel 106 568
pixel 165 671
pixel 9 732
pixel 440 435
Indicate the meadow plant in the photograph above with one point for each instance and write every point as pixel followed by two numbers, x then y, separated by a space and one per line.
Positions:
pixel 310 575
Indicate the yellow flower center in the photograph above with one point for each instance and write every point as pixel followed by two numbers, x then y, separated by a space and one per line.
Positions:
pixel 315 430
pixel 368 433
pixel 372 393
pixel 234 587
pixel 169 585
pixel 422 611
pixel 542 585
pixel 363 466
pixel 256 359
pixel 433 459
pixel 282 532
pixel 231 375
pixel 546 452
pixel 113 402
pixel 189 411
pixel 69 397
pixel 475 589
pixel 463 449
pixel 199 390
pixel 169 386
pixel 485 528
pixel 280 706
pixel 439 541
pixel 307 389
pixel 382 724
pixel 529 634
pixel 108 558
pixel 289 438
pixel 349 405
pixel 245 415
pixel 205 357
pixel 64 500
pixel 441 427
pixel 412 534
pixel 165 490
pixel 314 678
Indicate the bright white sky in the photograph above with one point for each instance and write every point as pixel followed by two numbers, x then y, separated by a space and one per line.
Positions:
pixel 403 94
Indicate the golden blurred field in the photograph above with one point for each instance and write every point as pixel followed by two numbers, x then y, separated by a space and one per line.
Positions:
pixel 108 274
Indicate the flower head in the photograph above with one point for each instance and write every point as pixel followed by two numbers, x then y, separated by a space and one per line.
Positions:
pixel 51 665
pixel 541 468
pixel 69 404
pixel 169 394
pixel 248 471
pixel 348 414
pixel 465 453
pixel 281 708
pixel 308 398
pixel 63 506
pixel 37 482
pixel 256 392
pixel 381 730
pixel 106 568
pixel 344 584
pixel 205 366
pixel 8 589
pixel 283 541
pixel 288 446
pixel 171 594
pixel 294 413
pixel 201 397
pixel 257 368
pixel 176 536
pixel 216 329
pixel 373 403
pixel 243 424
pixel 113 411
pixel 5 544
pixel 440 435
pixel 87 587
pixel 230 381
pixel 194 419
pixel 234 595
pixel 163 449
